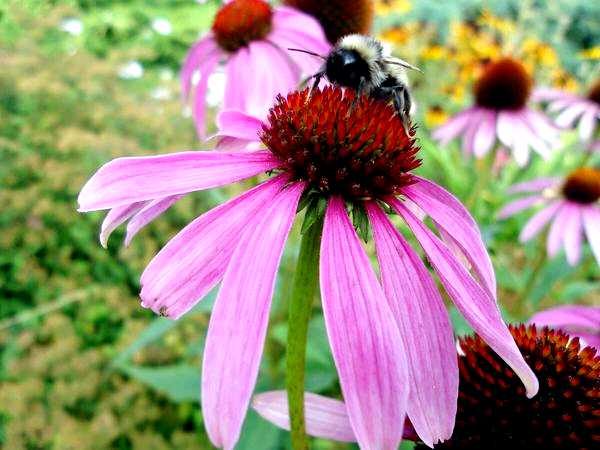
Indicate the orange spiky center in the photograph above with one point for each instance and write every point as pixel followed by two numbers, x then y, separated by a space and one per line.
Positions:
pixel 338 17
pixel 240 22
pixel 594 94
pixel 583 185
pixel 504 85
pixel 494 412
pixel 339 144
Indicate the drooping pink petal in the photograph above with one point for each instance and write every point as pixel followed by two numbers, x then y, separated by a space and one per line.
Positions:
pixel 199 52
pixel 326 418
pixel 591 222
pixel 261 89
pixel 541 124
pixel 537 185
pixel 116 217
pixel 587 124
pixel 453 127
pixel 194 261
pixel 206 68
pixel 471 130
pixel 134 179
pixel 505 126
pixel 363 335
pixel 147 214
pixel 239 125
pixel 556 235
pixel 516 206
pixel 574 234
pixel 582 321
pixel 566 118
pixel 486 134
pixel 237 73
pixel 540 143
pixel 238 325
pixel 449 214
pixel 425 328
pixel 539 221
pixel 475 303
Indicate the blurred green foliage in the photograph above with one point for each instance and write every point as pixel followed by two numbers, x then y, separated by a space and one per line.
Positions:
pixel 82 366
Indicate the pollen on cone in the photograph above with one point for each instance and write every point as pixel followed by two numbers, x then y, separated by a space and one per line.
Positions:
pixel 339 17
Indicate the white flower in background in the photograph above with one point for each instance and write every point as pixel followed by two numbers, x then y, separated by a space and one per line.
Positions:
pixel 162 26
pixel 72 26
pixel 131 71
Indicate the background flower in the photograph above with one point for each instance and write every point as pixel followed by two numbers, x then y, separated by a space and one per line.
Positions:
pixel 572 206
pixel 252 38
pixel 575 320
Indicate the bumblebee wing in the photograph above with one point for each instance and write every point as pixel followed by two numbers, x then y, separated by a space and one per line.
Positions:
pixel 400 62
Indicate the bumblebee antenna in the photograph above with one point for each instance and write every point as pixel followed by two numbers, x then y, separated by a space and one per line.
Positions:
pixel 307 52
pixel 401 62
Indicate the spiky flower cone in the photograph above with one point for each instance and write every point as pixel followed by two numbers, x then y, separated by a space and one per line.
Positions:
pixel 494 413
pixel 338 17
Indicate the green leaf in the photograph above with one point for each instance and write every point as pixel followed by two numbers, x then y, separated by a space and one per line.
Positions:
pixel 360 221
pixel 258 433
pixel 315 211
pixel 179 383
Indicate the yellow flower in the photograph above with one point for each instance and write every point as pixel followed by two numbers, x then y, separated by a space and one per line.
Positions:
pixel 591 53
pixel 385 7
pixel 435 116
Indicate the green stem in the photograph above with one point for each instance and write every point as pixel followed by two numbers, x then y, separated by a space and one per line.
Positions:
pixel 303 291
pixel 532 279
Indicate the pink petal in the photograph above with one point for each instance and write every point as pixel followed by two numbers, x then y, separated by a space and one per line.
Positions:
pixel 468 140
pixel 453 127
pixel 449 214
pixel 326 418
pixel 238 325
pixel 540 143
pixel 516 206
pixel 587 124
pixel 486 134
pixel 425 328
pixel 570 114
pixel 272 73
pixel 537 185
pixel 574 234
pixel 236 72
pixel 557 229
pixel 239 125
pixel 199 52
pixel 194 261
pixel 286 39
pixel 134 179
pixel 147 214
pixel 569 316
pixel 591 222
pixel 546 94
pixel 541 125
pixel 539 221
pixel 582 321
pixel 206 68
pixel 294 21
pixel 116 217
pixel 475 304
pixel 505 127
pixel 363 335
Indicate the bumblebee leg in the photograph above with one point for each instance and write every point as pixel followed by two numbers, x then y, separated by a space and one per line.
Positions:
pixel 360 91
pixel 317 76
pixel 402 104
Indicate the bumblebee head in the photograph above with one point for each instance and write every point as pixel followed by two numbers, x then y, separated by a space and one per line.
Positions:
pixel 346 67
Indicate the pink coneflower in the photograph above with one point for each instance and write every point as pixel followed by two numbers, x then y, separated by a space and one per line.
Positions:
pixel 392 341
pixel 571 204
pixel 576 320
pixel 492 411
pixel 252 38
pixel 501 113
pixel 572 108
